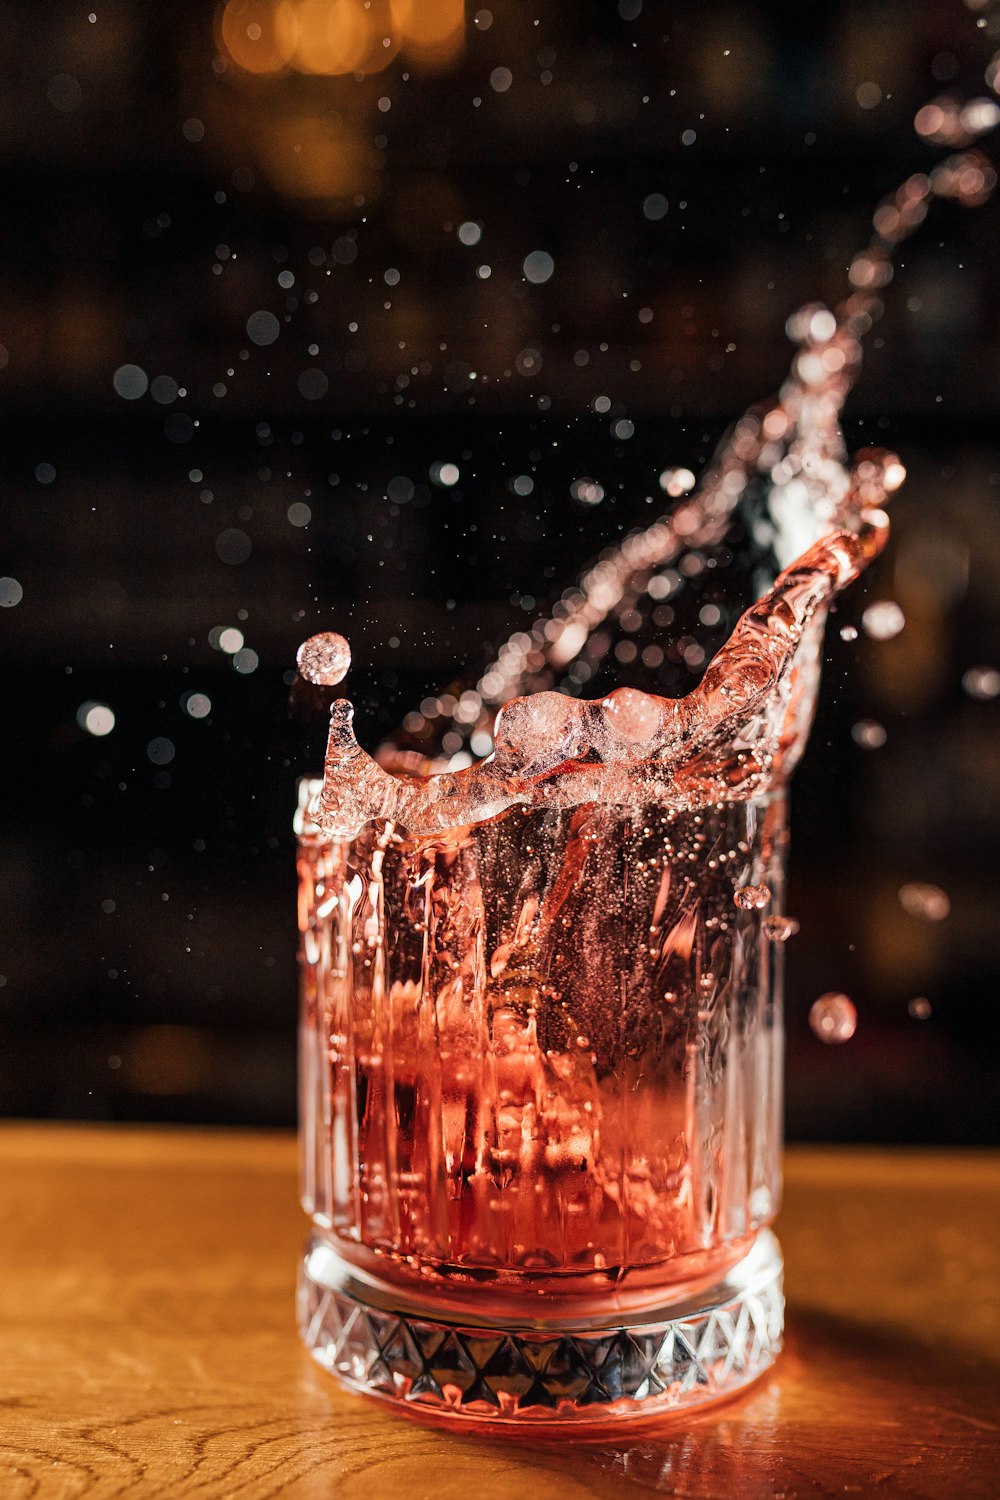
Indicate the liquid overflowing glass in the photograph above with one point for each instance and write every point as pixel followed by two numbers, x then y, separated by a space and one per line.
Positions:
pixel 542 937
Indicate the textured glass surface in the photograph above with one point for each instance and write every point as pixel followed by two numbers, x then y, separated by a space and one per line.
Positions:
pixel 706 1349
pixel 541 1056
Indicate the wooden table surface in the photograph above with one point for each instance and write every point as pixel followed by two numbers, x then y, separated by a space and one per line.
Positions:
pixel 147 1344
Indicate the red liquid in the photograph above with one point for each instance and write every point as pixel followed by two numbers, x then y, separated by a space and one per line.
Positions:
pixel 541 1056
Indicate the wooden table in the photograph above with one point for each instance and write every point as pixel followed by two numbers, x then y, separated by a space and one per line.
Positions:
pixel 147 1345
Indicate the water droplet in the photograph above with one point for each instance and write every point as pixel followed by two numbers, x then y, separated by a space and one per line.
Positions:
pixel 324 659
pixel 246 661
pixel 920 1008
pixel 64 93
pixel 677 481
pixel 538 266
pixel 161 750
pixel 262 327
pixel 196 705
pixel 982 683
pixel 833 1017
pixel 779 929
pixel 869 734
pixel 928 902
pixel 587 491
pixel 130 382
pixel 752 897
pixel 227 639
pixel 883 620
pixel 848 633
pixel 233 546
pixel 96 718
pixel 313 383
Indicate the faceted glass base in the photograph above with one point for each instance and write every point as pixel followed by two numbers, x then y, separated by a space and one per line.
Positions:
pixel 676 1357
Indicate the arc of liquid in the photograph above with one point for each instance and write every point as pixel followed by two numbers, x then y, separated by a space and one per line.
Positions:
pixel 802 423
pixel 796 436
pixel 745 718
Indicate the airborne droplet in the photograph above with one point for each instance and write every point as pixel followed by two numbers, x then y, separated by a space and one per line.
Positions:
pixel 752 897
pixel 324 659
pixel 779 929
pixel 833 1018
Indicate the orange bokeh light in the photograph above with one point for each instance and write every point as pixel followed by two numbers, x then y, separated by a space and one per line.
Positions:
pixel 248 32
pixel 325 36
pixel 331 37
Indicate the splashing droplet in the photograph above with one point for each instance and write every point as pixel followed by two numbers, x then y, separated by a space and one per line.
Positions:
pixel 883 620
pixel 928 902
pixel 779 929
pixel 869 734
pixel 324 659
pixel 752 897
pixel 833 1018
pixel 979 682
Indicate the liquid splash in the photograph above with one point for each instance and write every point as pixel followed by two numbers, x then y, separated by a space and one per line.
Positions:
pixel 752 897
pixel 779 929
pixel 541 1032
pixel 743 727
pixel 325 659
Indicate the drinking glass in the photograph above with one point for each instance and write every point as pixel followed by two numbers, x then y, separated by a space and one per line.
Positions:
pixel 541 1037
pixel 541 1109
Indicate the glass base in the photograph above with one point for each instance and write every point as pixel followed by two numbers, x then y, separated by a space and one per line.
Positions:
pixel 676 1357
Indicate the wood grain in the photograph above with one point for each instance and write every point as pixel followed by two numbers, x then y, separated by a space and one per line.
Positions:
pixel 147 1345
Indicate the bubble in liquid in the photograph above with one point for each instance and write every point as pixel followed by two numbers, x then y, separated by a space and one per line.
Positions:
pixel 752 897
pixel 779 929
pixel 324 659
pixel 920 1008
pixel 928 902
pixel 833 1017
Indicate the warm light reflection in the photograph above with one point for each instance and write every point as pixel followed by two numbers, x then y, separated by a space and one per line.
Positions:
pixel 335 37
pixel 249 34
pixel 433 30
pixel 322 159
pixel 324 36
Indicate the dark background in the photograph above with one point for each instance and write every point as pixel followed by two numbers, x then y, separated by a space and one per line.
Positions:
pixel 155 196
